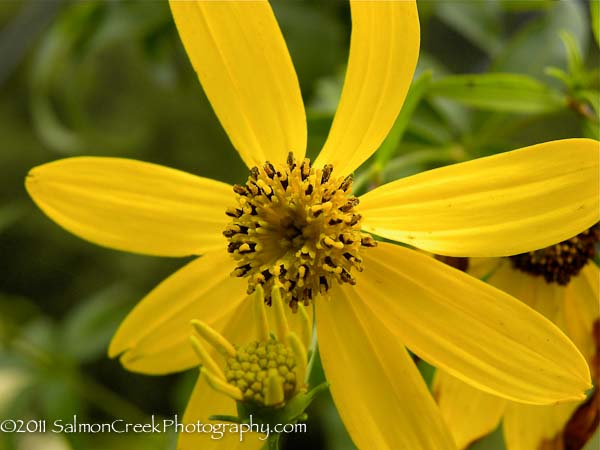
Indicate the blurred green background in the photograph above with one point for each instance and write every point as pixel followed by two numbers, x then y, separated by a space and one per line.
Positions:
pixel 111 79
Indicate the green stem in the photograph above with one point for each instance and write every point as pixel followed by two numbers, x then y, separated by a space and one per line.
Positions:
pixel 273 441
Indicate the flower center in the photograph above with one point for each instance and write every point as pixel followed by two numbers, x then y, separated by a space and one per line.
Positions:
pixel 297 228
pixel 459 263
pixel 252 366
pixel 558 263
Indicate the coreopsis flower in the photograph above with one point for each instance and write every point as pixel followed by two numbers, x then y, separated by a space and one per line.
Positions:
pixel 561 282
pixel 295 226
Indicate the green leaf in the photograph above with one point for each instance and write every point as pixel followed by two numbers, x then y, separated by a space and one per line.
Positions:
pixel 12 381
pixel 525 5
pixel 88 328
pixel 537 45
pixel 595 17
pixel 479 22
pixel 315 39
pixel 591 129
pixel 70 67
pixel 419 159
pixel 574 58
pixel 427 371
pixel 499 92
pixel 328 91
pixel 9 214
pixel 427 126
pixel 415 93
pixel 493 441
pixel 592 96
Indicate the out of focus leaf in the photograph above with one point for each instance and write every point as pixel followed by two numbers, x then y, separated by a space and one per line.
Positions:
pixel 18 36
pixel 328 91
pixel 499 92
pixel 138 441
pixel 419 159
pixel 336 436
pixel 480 22
pixel 453 114
pixel 415 93
pixel 574 58
pixel 595 17
pixel 538 45
pixel 12 381
pixel 427 371
pixel 57 398
pixel 559 74
pixel 315 39
pixel 43 441
pixel 456 115
pixel 427 126
pixel 592 96
pixel 73 64
pixel 525 5
pixel 15 311
pixel 493 441
pixel 9 214
pixel 87 330
pixel 591 129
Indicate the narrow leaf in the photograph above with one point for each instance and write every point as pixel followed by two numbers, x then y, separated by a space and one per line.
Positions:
pixel 499 92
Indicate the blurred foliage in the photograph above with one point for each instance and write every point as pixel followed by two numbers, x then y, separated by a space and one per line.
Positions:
pixel 111 78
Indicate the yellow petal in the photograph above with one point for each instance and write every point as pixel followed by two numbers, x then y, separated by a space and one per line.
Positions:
pixel 500 205
pixel 469 413
pixel 573 308
pixel 546 298
pixel 206 402
pixel 132 205
pixel 384 49
pixel 155 335
pixel 239 54
pixel 379 393
pixel 581 313
pixel 528 427
pixel 474 331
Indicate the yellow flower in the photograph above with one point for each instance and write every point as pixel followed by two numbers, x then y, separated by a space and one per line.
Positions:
pixel 561 283
pixel 297 226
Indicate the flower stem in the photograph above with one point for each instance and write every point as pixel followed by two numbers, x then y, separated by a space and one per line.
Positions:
pixel 273 441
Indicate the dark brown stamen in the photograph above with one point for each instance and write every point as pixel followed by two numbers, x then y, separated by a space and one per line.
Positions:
pixel 454 261
pixel 559 263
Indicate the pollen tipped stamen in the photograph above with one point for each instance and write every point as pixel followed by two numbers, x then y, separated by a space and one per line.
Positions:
pixel 234 212
pixel 293 226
